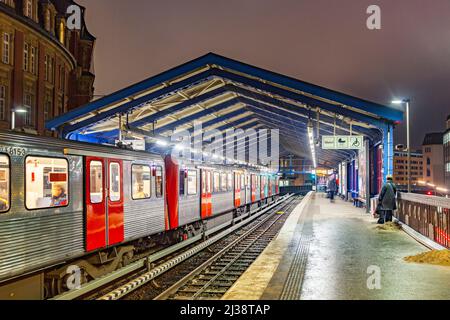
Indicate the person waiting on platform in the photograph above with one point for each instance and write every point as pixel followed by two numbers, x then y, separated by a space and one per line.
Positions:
pixel 387 201
pixel 59 196
pixel 332 187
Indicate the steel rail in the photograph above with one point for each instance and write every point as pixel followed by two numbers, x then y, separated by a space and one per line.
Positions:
pixel 162 268
pixel 175 287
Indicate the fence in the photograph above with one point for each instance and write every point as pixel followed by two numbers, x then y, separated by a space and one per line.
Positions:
pixel 426 215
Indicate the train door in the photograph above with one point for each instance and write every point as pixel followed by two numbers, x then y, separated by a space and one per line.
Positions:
pixel 253 187
pixel 206 198
pixel 248 189
pixel 277 186
pixel 262 187
pixel 104 202
pixel 237 190
pixel 270 187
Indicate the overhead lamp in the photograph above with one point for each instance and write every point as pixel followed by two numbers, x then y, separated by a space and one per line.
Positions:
pixel 161 143
pixel 311 143
pixel 178 147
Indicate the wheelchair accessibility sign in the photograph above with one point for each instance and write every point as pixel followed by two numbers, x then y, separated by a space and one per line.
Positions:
pixel 343 142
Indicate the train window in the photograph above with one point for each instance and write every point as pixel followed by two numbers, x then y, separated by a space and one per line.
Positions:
pixel 96 181
pixel 242 181
pixel 216 184
pixel 192 182
pixel 230 182
pixel 4 183
pixel 114 181
pixel 140 180
pixel 182 181
pixel 46 182
pixel 208 181
pixel 223 182
pixel 159 181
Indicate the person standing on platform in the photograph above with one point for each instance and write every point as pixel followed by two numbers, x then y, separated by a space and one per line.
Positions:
pixel 387 201
pixel 332 187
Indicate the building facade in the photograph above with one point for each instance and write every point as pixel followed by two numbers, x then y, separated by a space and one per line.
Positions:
pixel 433 157
pixel 45 68
pixel 447 154
pixel 401 166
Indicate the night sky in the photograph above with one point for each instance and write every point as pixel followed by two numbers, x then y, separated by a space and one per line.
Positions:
pixel 325 42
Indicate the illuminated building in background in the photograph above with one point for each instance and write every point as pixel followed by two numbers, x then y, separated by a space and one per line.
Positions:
pixel 45 68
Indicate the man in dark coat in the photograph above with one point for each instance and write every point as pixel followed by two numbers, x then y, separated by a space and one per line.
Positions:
pixel 387 201
pixel 332 187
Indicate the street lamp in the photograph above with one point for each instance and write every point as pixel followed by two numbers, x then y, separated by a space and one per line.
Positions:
pixel 13 115
pixel 407 103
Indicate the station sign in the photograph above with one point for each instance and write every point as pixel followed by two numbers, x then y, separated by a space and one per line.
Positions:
pixel 343 142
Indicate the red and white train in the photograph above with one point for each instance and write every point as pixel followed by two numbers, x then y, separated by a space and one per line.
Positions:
pixel 66 203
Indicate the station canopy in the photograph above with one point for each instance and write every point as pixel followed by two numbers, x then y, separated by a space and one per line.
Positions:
pixel 227 94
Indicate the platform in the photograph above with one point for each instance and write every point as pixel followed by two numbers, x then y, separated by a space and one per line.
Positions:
pixel 325 251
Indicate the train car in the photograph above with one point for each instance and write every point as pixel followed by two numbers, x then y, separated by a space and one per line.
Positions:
pixel 101 207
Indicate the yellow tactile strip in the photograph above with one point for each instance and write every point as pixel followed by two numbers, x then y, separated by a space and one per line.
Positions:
pixel 252 284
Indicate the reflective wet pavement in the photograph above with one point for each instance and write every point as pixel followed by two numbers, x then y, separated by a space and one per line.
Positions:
pixel 346 245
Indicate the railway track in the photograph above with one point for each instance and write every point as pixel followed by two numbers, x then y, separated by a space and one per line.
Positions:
pixel 214 278
pixel 160 268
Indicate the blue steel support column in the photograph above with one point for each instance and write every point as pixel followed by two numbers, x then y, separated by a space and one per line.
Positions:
pixel 388 151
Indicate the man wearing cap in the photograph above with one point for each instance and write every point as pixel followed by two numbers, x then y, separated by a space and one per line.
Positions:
pixel 387 200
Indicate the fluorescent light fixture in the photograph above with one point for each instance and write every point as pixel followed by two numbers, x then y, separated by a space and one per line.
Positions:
pixel 162 143
pixel 431 185
pixel 397 102
pixel 311 144
pixel 442 190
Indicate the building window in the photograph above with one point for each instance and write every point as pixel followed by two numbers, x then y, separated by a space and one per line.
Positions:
pixel 48 25
pixel 4 183
pixel 6 48
pixel 48 109
pixel 46 182
pixel 62 32
pixel 25 56
pixel 51 73
pixel 8 2
pixel 428 173
pixel 62 78
pixel 28 105
pixel 28 8
pixel 61 106
pixel 2 102
pixel 33 60
pixel 428 161
pixel 140 180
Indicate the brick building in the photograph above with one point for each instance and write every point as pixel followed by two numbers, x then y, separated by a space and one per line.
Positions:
pixel 45 68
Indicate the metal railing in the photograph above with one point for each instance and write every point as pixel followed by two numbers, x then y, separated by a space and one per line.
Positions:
pixel 430 216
